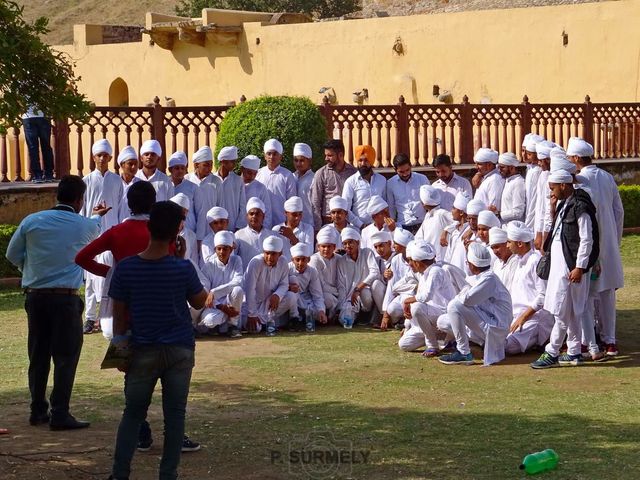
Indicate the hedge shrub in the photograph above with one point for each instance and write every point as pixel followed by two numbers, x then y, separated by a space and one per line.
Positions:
pixel 7 269
pixel 630 195
pixel 289 119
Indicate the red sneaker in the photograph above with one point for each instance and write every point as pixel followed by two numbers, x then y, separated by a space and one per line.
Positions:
pixel 611 350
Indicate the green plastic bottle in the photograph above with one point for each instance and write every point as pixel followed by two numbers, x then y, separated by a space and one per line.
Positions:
pixel 540 462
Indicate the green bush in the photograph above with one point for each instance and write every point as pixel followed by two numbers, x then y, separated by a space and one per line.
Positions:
pixel 630 195
pixel 7 269
pixel 289 119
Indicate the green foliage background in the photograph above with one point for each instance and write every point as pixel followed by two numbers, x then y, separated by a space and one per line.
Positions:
pixel 630 195
pixel 6 268
pixel 289 119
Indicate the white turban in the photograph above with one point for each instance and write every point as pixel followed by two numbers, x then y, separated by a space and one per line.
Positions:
pixel 497 236
pixel 228 153
pixel 349 233
pixel 255 202
pixel 560 176
pixel 224 237
pixel 519 232
pixel 488 218
pixel 430 195
pixel 302 150
pixel 402 237
pixel 102 146
pixel 420 250
pixel 293 204
pixel 127 153
pixel 151 146
pixel 217 213
pixel 543 149
pixel 577 146
pixel 177 158
pixel 530 143
pixel 182 200
pixel 381 236
pixel 475 206
pixel 478 255
pixel 526 139
pixel 272 244
pixel 250 162
pixel 338 203
pixel 273 144
pixel 204 154
pixel 376 204
pixel 327 235
pixel 486 155
pixel 461 201
pixel 559 161
pixel 509 159
pixel 300 249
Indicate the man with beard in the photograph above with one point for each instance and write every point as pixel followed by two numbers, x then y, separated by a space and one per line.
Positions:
pixel 513 200
pixel 364 184
pixel 403 194
pixel 449 182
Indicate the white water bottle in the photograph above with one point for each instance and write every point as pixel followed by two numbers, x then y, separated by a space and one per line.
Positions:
pixel 310 321
pixel 271 323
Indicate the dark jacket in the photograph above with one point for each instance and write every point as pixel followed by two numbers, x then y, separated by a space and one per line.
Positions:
pixel 577 204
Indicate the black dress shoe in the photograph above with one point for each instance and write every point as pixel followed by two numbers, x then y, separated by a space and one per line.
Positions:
pixel 38 419
pixel 70 423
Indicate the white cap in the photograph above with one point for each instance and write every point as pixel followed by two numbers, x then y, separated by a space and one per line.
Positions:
pixel 531 141
pixel 577 146
pixel 430 195
pixel 204 154
pixel 228 153
pixel 224 237
pixel 543 149
pixel 151 146
pixel 273 144
pixel 177 158
pixel 488 218
pixel 559 161
pixel 302 150
pixel 497 236
pixel 420 250
pixel 182 200
pixel 327 235
pixel 127 153
pixel 217 213
pixel 272 244
pixel 478 255
pixel 461 201
pixel 560 176
pixel 293 204
pixel 519 232
pixel 255 202
pixel 349 233
pixel 402 237
pixel 250 162
pixel 376 204
pixel 475 206
pixel 338 203
pixel 508 159
pixel 300 249
pixel 486 155
pixel 381 236
pixel 101 146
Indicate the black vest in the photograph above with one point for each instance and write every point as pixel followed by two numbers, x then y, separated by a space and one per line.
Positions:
pixel 574 206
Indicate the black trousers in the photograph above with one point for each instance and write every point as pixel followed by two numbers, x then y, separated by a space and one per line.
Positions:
pixel 55 333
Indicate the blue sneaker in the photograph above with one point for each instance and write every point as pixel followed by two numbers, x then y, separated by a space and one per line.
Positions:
pixel 545 361
pixel 570 360
pixel 457 358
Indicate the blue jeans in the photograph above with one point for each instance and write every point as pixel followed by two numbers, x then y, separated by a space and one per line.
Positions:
pixel 172 365
pixel 37 132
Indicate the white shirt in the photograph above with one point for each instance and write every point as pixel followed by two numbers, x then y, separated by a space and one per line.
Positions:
pixel 328 272
pixel 249 243
pixel 527 288
pixel 490 190
pixel 94 194
pixel 258 190
pixel 352 273
pixel 368 231
pixel 189 189
pixel 402 281
pixel 435 221
pixel 505 270
pixel 303 186
pixel 281 185
pixel 206 197
pixel 357 192
pixel 221 278
pixel 491 297
pixel 207 248
pixel 310 293
pixel 450 190
pixel 191 252
pixel 531 193
pixel 304 234
pixel 403 198
pixel 542 214
pixel 513 202
pixel 435 288
pixel 231 197
pixel 113 195
pixel 161 182
pixel 455 253
pixel 262 281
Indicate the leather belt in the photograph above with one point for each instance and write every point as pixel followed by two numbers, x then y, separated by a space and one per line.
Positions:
pixel 53 291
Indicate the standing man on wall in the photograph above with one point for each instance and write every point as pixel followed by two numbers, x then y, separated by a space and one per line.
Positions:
pixel 37 132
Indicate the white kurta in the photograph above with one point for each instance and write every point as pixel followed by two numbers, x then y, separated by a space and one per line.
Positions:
pixel 113 195
pixel 456 254
pixel 191 253
pixel 542 219
pixel 403 198
pixel 435 221
pixel 303 232
pixel 352 273
pixel 357 192
pixel 161 182
pixel 207 248
pixel 124 212
pixel 222 278
pixel 531 193
pixel 450 190
pixel 281 185
pixel 207 196
pixel 491 297
pixel 258 190
pixel 513 203
pixel 249 243
pixel 310 295
pixel 367 232
pixel 188 189
pixel 490 190
pixel 262 281
pixel 402 281
pixel 328 273
pixel 303 186
pixel 505 271
pixel 231 197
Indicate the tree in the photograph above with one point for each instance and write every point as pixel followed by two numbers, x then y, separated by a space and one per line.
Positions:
pixel 315 8
pixel 33 74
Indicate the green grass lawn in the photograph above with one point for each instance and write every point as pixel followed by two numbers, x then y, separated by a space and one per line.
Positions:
pixel 255 399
